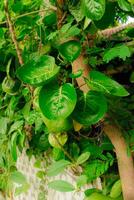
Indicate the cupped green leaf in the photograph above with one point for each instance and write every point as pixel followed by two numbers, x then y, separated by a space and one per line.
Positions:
pixel 57 167
pixel 38 71
pixel 93 9
pixel 57 126
pixel 90 108
pixel 100 82
pixel 61 186
pixel 57 102
pixel 70 50
pixel 57 140
pixel 11 86
pixel 83 158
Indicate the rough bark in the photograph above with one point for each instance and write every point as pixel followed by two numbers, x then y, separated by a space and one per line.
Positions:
pixel 125 162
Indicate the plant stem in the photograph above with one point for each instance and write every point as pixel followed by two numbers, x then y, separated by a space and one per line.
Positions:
pixel 60 14
pixel 31 13
pixel 12 32
pixel 65 152
pixel 111 31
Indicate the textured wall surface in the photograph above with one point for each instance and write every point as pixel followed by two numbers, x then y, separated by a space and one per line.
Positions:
pixel 26 167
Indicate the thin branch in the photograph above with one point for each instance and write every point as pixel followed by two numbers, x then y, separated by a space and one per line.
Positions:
pixel 60 13
pixel 111 31
pixel 12 32
pixel 31 13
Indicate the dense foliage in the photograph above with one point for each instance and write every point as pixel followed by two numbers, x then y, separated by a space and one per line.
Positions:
pixel 43 106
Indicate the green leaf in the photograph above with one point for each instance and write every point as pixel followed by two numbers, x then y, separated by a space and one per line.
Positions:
pixel 70 50
pixel 93 9
pixel 57 167
pixel 90 108
pixel 40 174
pixel 68 31
pixel 38 71
pixel 81 181
pixel 77 74
pixel 22 189
pixel 76 12
pixel 3 125
pixel 124 5
pixel 61 186
pixel 96 168
pixel 121 51
pixel 50 19
pixel 108 17
pixel 58 154
pixel 57 102
pixel 57 126
pixel 83 158
pixel 90 191
pixel 61 137
pixel 116 189
pixel 100 82
pixel 98 196
pixel 14 146
pixel 18 177
pixel 16 126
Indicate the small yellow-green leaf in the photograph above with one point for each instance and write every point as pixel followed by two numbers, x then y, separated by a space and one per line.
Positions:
pixel 61 186
pixel 83 158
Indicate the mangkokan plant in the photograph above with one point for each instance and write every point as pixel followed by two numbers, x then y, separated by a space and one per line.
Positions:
pixel 66 92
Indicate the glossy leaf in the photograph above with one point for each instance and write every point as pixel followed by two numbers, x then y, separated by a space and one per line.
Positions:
pixel 57 167
pixel 116 189
pixel 77 74
pixel 70 50
pixel 38 71
pixel 90 108
pixel 60 140
pixel 108 17
pixel 102 83
pixel 124 5
pixel 93 9
pixel 83 158
pixel 61 186
pixel 120 51
pixel 57 126
pixel 57 102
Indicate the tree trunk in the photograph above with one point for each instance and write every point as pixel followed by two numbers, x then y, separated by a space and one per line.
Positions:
pixel 125 162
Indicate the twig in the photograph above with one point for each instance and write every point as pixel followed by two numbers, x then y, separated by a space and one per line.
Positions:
pixel 31 13
pixel 62 19
pixel 12 32
pixel 65 152
pixel 111 31
pixel 60 14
